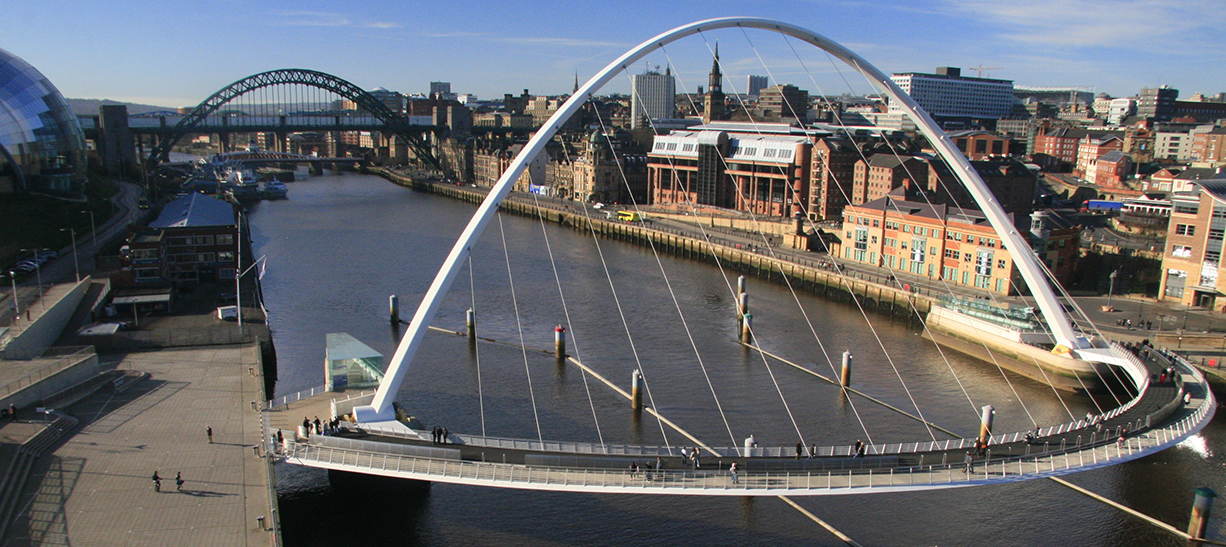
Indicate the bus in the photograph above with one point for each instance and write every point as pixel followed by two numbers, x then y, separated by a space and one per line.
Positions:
pixel 629 216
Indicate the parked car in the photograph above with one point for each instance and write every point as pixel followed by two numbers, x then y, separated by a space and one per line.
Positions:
pixel 48 255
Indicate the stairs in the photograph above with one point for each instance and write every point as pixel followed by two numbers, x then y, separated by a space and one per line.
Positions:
pixel 14 479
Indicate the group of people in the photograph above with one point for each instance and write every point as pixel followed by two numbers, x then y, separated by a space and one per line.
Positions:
pixel 157 481
pixel 1147 325
pixel 635 469
pixel 691 457
pixel 438 435
pixel 857 450
pixel 317 427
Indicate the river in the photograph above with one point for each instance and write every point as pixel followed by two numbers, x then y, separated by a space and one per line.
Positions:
pixel 342 243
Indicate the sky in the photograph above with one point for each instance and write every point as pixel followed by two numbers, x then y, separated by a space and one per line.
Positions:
pixel 178 52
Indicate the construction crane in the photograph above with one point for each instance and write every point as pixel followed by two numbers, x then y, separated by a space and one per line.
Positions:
pixel 982 68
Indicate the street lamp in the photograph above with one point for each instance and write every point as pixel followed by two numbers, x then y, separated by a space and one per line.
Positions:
pixel 75 265
pixel 93 230
pixel 16 303
pixel 1111 288
pixel 38 272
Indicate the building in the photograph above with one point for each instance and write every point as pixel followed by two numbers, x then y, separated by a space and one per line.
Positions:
pixel 945 244
pixel 1112 169
pixel 784 102
pixel 831 177
pixel 1009 181
pixel 1157 103
pixel 1210 146
pixel 193 240
pixel 1090 148
pixel 439 88
pixel 1194 243
pixel 756 85
pixel 954 100
pixel 42 147
pixel 713 104
pixel 1056 240
pixel 1120 109
pixel 883 172
pixel 765 175
pixel 652 96
pixel 977 144
pixel 604 172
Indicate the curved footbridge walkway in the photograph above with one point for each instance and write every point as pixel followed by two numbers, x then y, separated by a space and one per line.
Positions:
pixel 1157 419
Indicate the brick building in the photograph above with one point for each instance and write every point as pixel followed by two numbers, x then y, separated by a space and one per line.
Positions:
pixel 193 240
pixel 1194 246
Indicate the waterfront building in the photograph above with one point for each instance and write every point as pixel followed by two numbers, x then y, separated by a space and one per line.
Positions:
pixel 766 175
pixel 1194 246
pixel 946 244
pixel 956 100
pixel 881 173
pixel 1056 240
pixel 831 177
pixel 652 96
pixel 194 239
pixel 42 146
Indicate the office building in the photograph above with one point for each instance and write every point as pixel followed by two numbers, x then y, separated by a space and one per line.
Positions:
pixel 953 99
pixel 756 85
pixel 652 97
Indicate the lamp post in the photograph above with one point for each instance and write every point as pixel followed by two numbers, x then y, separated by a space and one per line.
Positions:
pixel 1111 288
pixel 16 303
pixel 75 265
pixel 38 273
pixel 92 229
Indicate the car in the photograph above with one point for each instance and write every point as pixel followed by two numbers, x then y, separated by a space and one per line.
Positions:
pixel 48 255
pixel 24 268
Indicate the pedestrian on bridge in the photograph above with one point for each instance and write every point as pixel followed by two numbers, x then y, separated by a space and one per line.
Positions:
pixel 732 471
pixel 800 448
pixel 969 460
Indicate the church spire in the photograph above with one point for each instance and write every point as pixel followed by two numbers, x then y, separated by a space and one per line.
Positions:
pixel 576 82
pixel 713 107
pixel 715 82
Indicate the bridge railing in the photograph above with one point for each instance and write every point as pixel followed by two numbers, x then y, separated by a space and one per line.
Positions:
pixel 281 402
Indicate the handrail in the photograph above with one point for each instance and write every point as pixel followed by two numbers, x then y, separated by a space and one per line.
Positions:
pixel 48 370
pixel 295 397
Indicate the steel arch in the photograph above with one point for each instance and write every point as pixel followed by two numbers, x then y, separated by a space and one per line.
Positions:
pixel 1068 340
pixel 365 101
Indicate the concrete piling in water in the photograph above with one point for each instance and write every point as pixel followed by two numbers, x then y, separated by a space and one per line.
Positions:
pixel 393 307
pixel 1200 512
pixel 636 389
pixel 559 341
pixel 985 423
pixel 845 377
pixel 472 325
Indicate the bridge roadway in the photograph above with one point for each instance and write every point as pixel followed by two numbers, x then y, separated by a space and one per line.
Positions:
pixel 566 466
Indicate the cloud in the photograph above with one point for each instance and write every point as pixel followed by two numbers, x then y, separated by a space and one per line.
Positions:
pixel 382 24
pixel 565 42
pixel 313 19
pixel 1120 24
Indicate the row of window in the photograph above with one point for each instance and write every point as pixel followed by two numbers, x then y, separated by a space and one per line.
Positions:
pixel 192 258
pixel 221 239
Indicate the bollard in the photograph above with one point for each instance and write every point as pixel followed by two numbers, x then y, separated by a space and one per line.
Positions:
pixel 740 285
pixel 393 306
pixel 845 378
pixel 744 303
pixel 750 443
pixel 472 326
pixel 746 329
pixel 559 341
pixel 636 389
pixel 985 424
pixel 1200 512
pixel 260 521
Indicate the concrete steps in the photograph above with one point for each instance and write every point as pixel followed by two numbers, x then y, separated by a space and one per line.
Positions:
pixel 14 479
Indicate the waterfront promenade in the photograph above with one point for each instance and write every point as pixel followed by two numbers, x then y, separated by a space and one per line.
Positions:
pixel 95 487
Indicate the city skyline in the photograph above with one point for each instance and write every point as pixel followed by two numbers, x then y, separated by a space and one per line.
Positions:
pixel 178 53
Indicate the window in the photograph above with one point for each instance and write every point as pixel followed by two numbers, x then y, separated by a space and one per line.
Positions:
pixel 873 239
pixel 202 240
pixel 906 228
pixel 983 265
pixel 144 254
pixel 917 250
pixel 147 273
pixel 225 239
pixel 861 240
pixel 1000 263
pixel 225 256
pixel 950 253
pixel 1185 229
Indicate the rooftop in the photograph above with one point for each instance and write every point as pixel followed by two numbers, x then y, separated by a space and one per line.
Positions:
pixel 195 210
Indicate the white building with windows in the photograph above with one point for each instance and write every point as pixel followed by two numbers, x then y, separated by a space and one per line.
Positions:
pixel 652 96
pixel 948 94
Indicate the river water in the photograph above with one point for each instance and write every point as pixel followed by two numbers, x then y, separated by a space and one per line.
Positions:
pixel 342 243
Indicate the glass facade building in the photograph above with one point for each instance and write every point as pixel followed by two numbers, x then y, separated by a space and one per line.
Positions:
pixel 42 147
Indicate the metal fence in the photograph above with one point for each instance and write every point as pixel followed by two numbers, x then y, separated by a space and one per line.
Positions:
pixel 76 355
pixel 172 337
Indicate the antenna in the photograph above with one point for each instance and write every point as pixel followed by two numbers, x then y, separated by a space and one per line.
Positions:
pixel 982 68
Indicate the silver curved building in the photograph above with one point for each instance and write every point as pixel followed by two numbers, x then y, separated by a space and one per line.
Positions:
pixel 42 147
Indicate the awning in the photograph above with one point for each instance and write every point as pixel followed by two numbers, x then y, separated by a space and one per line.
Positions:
pixel 141 299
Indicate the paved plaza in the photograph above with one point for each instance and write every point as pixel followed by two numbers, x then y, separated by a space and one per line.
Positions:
pixel 95 487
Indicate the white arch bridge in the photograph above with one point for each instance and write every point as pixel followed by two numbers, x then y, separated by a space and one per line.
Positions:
pixel 1157 417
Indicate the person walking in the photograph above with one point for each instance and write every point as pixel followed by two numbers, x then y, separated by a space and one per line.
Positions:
pixel 800 448
pixel 179 481
pixel 443 435
pixel 157 482
pixel 969 460
pixel 732 471
pixel 208 430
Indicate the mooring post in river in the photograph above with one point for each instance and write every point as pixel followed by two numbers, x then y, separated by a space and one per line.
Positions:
pixel 747 329
pixel 1200 512
pixel 393 307
pixel 845 377
pixel 985 424
pixel 636 389
pixel 559 341
pixel 742 302
pixel 472 326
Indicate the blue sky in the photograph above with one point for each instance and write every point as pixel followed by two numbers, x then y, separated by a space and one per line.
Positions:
pixel 178 52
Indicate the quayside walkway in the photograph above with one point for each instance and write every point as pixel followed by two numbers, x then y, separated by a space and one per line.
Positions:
pixel 1154 420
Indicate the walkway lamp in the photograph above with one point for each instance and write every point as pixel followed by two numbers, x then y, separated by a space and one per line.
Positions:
pixel 38 272
pixel 16 303
pixel 1111 288
pixel 93 230
pixel 75 265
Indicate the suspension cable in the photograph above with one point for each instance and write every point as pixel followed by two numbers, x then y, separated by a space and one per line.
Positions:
pixel 520 328
pixel 472 288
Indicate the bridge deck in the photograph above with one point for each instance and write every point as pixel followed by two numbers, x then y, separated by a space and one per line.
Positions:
pixel 771 471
